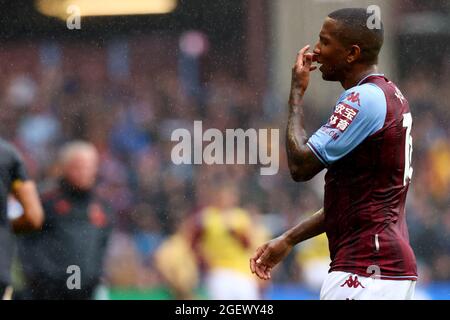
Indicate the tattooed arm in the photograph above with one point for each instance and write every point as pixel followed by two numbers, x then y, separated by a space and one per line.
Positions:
pixel 303 163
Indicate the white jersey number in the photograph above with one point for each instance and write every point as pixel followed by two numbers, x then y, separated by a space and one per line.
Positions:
pixel 407 123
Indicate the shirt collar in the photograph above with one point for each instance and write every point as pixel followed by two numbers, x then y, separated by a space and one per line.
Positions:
pixel 370 75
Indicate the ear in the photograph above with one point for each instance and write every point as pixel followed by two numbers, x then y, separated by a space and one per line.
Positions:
pixel 354 54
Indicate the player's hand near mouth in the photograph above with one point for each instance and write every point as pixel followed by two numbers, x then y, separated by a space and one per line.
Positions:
pixel 300 73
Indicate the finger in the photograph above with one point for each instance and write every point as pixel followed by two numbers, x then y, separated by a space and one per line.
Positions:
pixel 313 68
pixel 258 259
pixel 303 50
pixel 308 60
pixel 260 272
pixel 263 272
pixel 252 265
pixel 267 272
pixel 264 258
pixel 258 253
pixel 256 256
pixel 300 55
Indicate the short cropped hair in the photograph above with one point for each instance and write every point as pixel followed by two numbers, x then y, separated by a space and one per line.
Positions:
pixel 70 149
pixel 354 30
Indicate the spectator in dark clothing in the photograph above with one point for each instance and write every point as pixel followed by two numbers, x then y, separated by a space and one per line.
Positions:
pixel 65 260
pixel 14 180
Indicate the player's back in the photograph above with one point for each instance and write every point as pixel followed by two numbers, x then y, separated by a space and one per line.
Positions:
pixel 365 194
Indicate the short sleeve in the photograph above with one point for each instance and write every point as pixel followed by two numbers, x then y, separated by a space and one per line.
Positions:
pixel 360 112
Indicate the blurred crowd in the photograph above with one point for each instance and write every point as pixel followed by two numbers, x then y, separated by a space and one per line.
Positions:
pixel 428 205
pixel 128 109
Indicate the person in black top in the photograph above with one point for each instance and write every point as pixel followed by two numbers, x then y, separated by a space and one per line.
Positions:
pixel 14 181
pixel 74 236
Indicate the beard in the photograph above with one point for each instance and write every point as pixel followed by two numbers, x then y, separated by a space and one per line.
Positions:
pixel 331 73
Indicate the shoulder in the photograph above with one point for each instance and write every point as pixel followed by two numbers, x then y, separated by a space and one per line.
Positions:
pixel 8 150
pixel 366 102
pixel 364 96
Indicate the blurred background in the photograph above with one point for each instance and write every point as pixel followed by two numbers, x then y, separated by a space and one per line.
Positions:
pixel 125 82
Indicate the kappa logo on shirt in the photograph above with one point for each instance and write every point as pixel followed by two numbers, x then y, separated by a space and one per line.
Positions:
pixel 342 116
pixel 354 97
pixel 352 283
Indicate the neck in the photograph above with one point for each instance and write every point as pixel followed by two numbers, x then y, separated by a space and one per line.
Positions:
pixel 357 75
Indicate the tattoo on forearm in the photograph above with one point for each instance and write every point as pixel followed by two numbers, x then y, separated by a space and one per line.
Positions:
pixel 295 134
